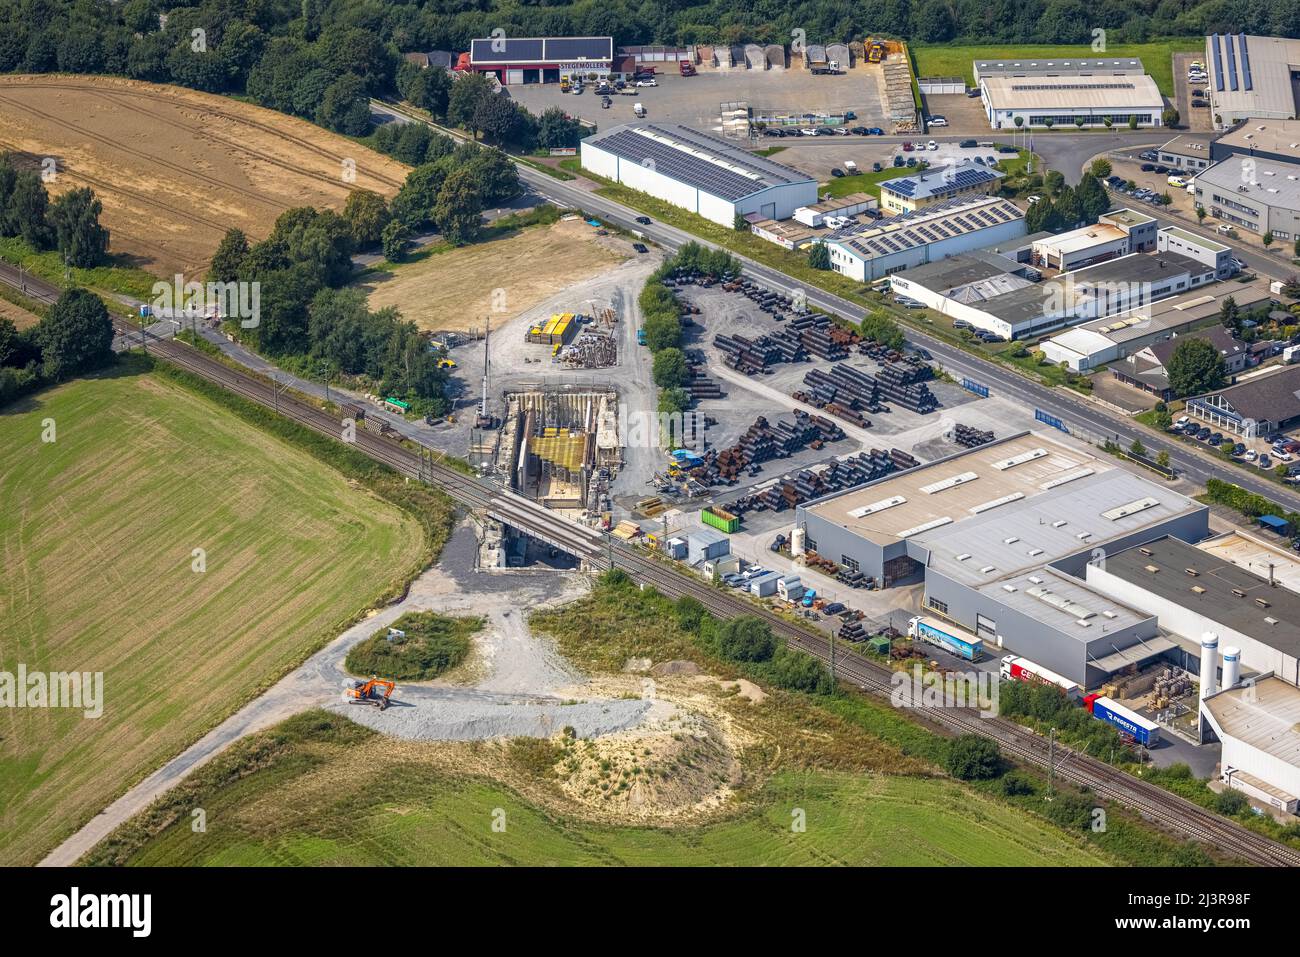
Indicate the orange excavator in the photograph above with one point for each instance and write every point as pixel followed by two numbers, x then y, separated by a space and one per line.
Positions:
pixel 376 691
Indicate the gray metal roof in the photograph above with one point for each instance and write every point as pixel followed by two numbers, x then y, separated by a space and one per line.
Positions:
pixel 697 159
pixel 1267 181
pixel 1028 66
pixel 1251 75
pixel 1064 604
pixel 1276 624
pixel 1055 524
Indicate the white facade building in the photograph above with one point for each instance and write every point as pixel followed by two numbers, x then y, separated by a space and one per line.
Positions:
pixel 698 172
pixel 881 248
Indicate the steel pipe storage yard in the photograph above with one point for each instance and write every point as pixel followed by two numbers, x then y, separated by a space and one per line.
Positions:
pixel 601 552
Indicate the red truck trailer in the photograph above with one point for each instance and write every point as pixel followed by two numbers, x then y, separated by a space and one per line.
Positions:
pixel 1015 668
pixel 686 68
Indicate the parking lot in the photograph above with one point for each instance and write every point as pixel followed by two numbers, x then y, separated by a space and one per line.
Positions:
pixel 697 100
pixel 1263 452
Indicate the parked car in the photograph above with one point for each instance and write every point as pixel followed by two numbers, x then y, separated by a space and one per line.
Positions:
pixel 938 121
pixel 824 131
pixel 932 145
pixel 908 146
pixel 1223 228
pixel 1162 169
pixel 649 82
pixel 980 160
pixel 1239 449
pixel 911 161
pixel 1034 199
pixel 1201 103
pixel 875 131
pixel 640 247
pixel 837 172
pixel 973 93
pixel 898 161
pixel 859 131
pixel 1250 455
pixel 1148 167
pixel 1203 433
pixel 1265 462
pixel 968 144
pixel 875 167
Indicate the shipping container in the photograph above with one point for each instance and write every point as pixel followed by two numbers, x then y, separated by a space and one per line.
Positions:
pixel 720 519
pixel 1128 723
pixel 1022 669
pixel 958 642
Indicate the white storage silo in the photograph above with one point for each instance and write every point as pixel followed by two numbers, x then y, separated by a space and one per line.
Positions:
pixel 1209 663
pixel 1231 667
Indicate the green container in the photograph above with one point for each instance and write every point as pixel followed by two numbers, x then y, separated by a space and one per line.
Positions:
pixel 879 645
pixel 723 521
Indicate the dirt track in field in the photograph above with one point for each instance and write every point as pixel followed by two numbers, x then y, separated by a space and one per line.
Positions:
pixel 176 168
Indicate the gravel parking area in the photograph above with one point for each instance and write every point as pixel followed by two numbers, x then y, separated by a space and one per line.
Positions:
pixel 696 100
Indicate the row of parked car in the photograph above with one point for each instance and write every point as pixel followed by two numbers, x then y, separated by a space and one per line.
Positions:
pixel 1284 447
pixel 1140 193
pixel 983 335
pixel 779 131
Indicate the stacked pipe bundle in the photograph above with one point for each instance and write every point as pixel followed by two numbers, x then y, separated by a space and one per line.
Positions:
pixel 970 438
pixel 808 484
pixel 762 442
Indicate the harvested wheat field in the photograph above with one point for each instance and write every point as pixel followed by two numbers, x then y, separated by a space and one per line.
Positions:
pixel 97 542
pixel 176 168
pixel 454 288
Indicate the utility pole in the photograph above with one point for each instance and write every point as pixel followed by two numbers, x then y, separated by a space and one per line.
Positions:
pixel 1051 759
pixel 832 661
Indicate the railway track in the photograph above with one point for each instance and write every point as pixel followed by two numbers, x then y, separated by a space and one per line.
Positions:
pixel 601 552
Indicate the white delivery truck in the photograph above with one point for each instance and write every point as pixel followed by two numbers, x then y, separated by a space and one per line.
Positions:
pixel 851 167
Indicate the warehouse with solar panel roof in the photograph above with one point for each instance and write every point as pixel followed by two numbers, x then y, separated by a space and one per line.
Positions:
pixel 519 60
pixel 698 172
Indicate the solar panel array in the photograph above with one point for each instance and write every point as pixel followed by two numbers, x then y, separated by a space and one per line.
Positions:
pixel 938 182
pixel 541 49
pixel 707 163
pixel 1054 87
pixel 924 226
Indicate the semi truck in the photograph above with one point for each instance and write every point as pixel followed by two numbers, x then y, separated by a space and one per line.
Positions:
pixel 1015 668
pixel 960 643
pixel 685 67
pixel 1129 723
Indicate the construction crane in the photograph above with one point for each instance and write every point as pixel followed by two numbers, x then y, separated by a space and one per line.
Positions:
pixel 376 691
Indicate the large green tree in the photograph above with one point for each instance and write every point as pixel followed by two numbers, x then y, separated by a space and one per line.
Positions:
pixel 459 207
pixel 74 217
pixel 1195 367
pixel 76 336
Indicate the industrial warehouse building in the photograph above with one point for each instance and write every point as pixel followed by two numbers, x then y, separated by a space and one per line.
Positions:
pixel 1191 592
pixel 1251 76
pixel 698 172
pixel 1277 140
pixel 1064 101
pixel 883 247
pixel 546 59
pixel 1003 300
pixel 1259 406
pixel 1100 341
pixel 936 185
pixel 1001 535
pixel 1260 195
pixel 1259 724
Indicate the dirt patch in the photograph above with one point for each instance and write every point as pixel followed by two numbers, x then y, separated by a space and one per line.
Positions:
pixel 176 168
pixel 458 288
pixel 19 316
pixel 680 667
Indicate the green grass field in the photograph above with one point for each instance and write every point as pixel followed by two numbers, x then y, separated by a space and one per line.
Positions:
pixel 98 534
pixel 405 813
pixel 953 60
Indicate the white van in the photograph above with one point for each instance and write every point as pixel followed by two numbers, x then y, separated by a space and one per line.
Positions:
pixel 638 109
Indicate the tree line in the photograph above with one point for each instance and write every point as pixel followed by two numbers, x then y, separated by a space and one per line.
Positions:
pixel 319 59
